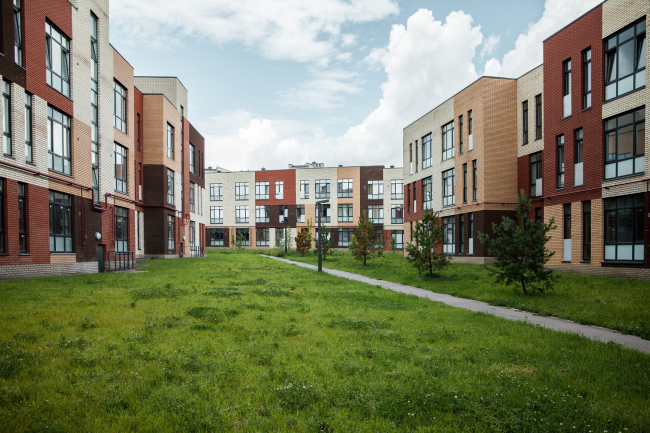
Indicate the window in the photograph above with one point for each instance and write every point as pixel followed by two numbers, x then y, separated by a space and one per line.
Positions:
pixel 376 213
pixel 2 218
pixel 216 214
pixel 567 222
pixel 344 188
pixel 22 218
pixel 460 133
pixel 192 235
pixel 416 156
pixel 538 117
pixel 262 237
pixel 474 181
pixel 375 190
pixel 448 245
pixel 170 141
pixel 322 188
pixel 241 191
pixel 397 189
pixel 470 233
pixel 560 162
pixel 304 189
pixel 279 190
pixel 58 137
pixel 408 198
pixel 470 139
pixel 625 60
pixel 524 108
pixel 18 35
pixel 261 191
pixel 216 237
pixel 448 141
pixel 426 151
pixel 242 237
pixel 6 112
pixel 140 181
pixel 578 155
pixel 398 235
pixel 586 231
pixel 121 229
pixel 192 198
pixel 241 214
pixel 448 188
pixel 539 219
pixel 427 193
pixel 137 131
pixel 325 213
pixel 624 230
pixel 464 183
pixel 29 154
pixel 345 213
pixel 397 214
pixel 94 108
pixel 461 234
pixel 300 213
pixel 586 78
pixel 119 94
pixel 625 142
pixel 411 158
pixel 261 214
pixel 345 235
pixel 57 60
pixel 170 232
pixel 60 222
pixel 170 187
pixel 415 198
pixel 536 174
pixel 216 192
pixel 192 158
pixel 121 169
pixel 566 87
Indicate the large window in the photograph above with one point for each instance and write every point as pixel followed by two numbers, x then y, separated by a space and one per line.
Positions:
pixel 170 232
pixel 625 141
pixel 411 158
pixel 586 78
pixel 119 93
pixel 216 192
pixel 427 193
pixel 170 187
pixel 241 214
pixel 586 231
pixel 192 196
pixel 460 134
pixel 624 230
pixel 344 188
pixel 397 189
pixel 242 237
pixel 29 154
pixel 448 188
pixel 22 218
pixel 416 156
pixel 448 240
pixel 345 236
pixel 121 229
pixel 262 237
pixel 192 149
pixel 345 213
pixel 560 162
pixel 398 235
pixel 375 190
pixel 170 141
pixel 325 213
pixel 397 214
pixel 279 190
pixel 376 213
pixel 304 189
pixel 60 222
pixel 137 131
pixel 6 112
pixel 57 60
pixel 2 218
pixel 216 237
pixel 470 135
pixel 322 188
pixel 261 190
pixel 262 214
pixel 448 140
pixel 566 88
pixel 216 214
pixel 121 161
pixel 625 60
pixel 524 108
pixel 58 137
pixel 300 213
pixel 18 34
pixel 461 234
pixel 474 181
pixel 538 117
pixel 241 191
pixel 578 155
pixel 426 151
pixel 464 183
pixel 536 174
pixel 192 235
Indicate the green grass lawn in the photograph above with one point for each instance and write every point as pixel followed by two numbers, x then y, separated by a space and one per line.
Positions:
pixel 239 342
pixel 615 303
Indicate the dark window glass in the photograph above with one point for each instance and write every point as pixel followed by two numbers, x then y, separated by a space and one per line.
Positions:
pixel 461 234
pixel 137 132
pixel 460 133
pixel 29 154
pixel 625 60
pixel 464 183
pixel 345 236
pixel 22 218
pixel 448 242
pixel 119 104
pixel 524 107
pixel 18 34
pixel 578 150
pixel 567 221
pixel 242 237
pixel 625 144
pixel 345 213
pixel 447 141
pixel 426 151
pixel 475 181
pixel 262 237
pixel 170 232
pixel 121 229
pixel 538 117
pixel 60 222
pixel 6 126
pixel 560 162
pixel 192 198
pixel 170 188
pixel 624 228
pixel 586 231
pixel 398 235
pixel 536 174
pixel 566 83
pixel 121 170
pixel 58 137
pixel 192 158
pixel 57 60
pixel 397 214
pixel 586 78
pixel 216 237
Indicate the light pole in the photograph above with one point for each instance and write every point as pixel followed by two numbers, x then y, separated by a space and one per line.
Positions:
pixel 286 221
pixel 320 257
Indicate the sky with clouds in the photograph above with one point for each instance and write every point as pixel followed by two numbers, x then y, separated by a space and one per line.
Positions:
pixel 334 81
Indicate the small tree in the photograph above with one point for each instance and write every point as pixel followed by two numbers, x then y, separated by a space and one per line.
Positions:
pixel 241 241
pixel 393 243
pixel 379 245
pixel 304 239
pixel 428 235
pixel 327 243
pixel 363 244
pixel 520 250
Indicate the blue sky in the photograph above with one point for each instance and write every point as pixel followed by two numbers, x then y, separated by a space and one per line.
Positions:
pixel 333 81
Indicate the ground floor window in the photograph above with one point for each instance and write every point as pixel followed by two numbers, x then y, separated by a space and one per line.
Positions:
pixel 216 237
pixel 624 228
pixel 192 235
pixel 2 221
pixel 345 236
pixel 121 229
pixel 448 246
pixel 262 237
pixel 60 222
pixel 398 235
pixel 586 231
pixel 22 218
pixel 170 232
pixel 461 233
pixel 242 237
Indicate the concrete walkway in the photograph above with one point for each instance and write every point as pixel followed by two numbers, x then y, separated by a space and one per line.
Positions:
pixel 592 332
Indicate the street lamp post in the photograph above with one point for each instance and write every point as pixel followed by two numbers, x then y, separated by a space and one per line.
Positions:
pixel 286 221
pixel 320 257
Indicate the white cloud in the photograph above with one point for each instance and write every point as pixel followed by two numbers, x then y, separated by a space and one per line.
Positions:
pixel 348 39
pixel 489 45
pixel 528 47
pixel 296 30
pixel 325 91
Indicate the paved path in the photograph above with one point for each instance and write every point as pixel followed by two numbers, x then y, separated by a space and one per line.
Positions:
pixel 592 332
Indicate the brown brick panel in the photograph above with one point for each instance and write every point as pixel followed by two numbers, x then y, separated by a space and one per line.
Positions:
pixel 286 176
pixel 155 231
pixel 198 141
pixel 138 157
pixel 365 174
pixel 154 189
pixel 8 67
pixel 85 244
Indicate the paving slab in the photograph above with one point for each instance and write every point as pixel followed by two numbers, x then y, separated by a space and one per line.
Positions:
pixel 593 332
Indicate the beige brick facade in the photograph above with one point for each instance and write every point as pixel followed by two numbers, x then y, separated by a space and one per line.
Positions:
pixel 529 86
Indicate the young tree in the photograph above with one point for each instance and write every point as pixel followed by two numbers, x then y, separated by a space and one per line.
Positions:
pixel 428 235
pixel 363 244
pixel 520 250
pixel 304 239
pixel 393 243
pixel 241 241
pixel 326 241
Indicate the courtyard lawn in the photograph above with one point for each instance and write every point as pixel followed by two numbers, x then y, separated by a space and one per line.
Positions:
pixel 614 303
pixel 239 342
